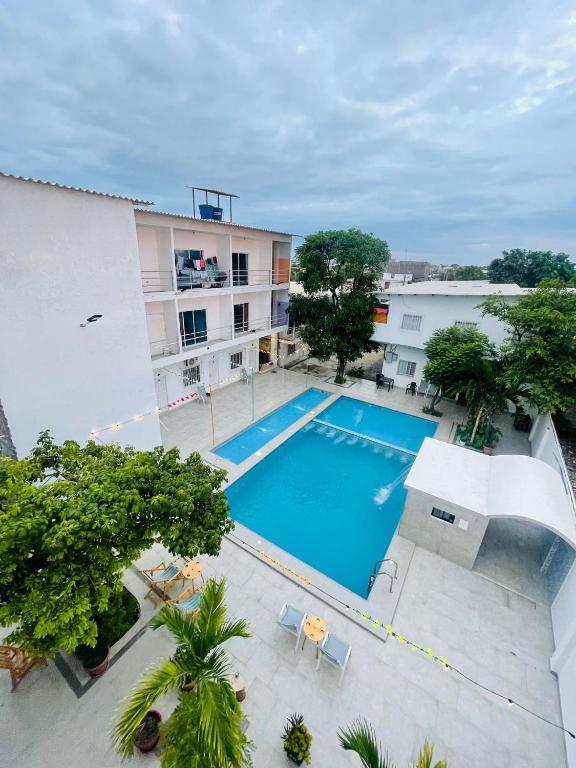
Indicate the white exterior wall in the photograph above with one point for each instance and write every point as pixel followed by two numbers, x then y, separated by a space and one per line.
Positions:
pixel 64 256
pixel 440 311
pixel 563 661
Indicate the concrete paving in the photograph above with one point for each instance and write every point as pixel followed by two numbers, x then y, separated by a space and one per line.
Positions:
pixel 490 633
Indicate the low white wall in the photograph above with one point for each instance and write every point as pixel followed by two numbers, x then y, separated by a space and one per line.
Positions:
pixel 545 446
pixel 563 661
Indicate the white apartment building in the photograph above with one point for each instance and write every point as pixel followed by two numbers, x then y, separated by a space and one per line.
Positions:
pixel 176 304
pixel 409 314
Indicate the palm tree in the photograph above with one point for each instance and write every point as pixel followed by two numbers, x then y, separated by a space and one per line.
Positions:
pixel 205 728
pixel 360 737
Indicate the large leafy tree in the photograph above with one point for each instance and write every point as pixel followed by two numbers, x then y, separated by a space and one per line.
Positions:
pixel 459 360
pixel 339 271
pixel 529 268
pixel 204 731
pixel 467 272
pixel 73 518
pixel 541 349
pixel 360 737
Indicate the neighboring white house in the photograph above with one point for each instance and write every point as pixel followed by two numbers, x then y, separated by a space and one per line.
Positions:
pixel 408 316
pixel 181 302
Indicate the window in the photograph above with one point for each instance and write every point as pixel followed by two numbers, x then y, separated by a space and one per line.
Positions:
pixel 411 322
pixel 239 269
pixel 193 327
pixel 191 375
pixel 236 360
pixel 241 317
pixel 381 314
pixel 406 368
pixel 441 515
pixel 465 324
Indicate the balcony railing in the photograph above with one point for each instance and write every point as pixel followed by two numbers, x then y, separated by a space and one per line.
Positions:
pixel 233 331
pixel 155 281
pixel 189 279
pixel 164 348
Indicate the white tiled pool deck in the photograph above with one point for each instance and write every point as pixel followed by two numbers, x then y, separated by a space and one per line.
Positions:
pixel 490 633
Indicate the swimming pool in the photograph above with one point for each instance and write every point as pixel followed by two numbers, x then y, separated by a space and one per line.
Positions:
pixel 261 432
pixel 332 495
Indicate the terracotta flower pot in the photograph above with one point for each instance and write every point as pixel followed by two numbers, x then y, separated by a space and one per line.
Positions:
pixel 147 735
pixel 99 669
pixel 488 450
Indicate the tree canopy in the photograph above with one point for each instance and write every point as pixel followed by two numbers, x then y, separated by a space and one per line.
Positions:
pixel 339 271
pixel 467 272
pixel 541 350
pixel 529 268
pixel 457 359
pixel 74 518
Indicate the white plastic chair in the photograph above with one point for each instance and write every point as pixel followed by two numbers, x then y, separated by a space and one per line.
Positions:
pixel 292 621
pixel 201 392
pixel 335 651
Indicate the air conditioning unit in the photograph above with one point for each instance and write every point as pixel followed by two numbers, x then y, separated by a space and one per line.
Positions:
pixel 190 362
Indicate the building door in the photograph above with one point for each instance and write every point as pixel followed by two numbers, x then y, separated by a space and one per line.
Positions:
pixel 239 269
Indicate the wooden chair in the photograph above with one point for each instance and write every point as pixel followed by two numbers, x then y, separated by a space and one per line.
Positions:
pixel 164 574
pixel 188 601
pixel 17 663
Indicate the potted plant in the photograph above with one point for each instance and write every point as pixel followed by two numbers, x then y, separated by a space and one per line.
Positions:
pixel 94 660
pixel 148 733
pixel 297 740
pixel 490 437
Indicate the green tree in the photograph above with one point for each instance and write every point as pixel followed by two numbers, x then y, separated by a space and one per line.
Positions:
pixel 540 353
pixel 360 737
pixel 72 519
pixel 339 271
pixel 204 731
pixel 469 273
pixel 457 357
pixel 529 268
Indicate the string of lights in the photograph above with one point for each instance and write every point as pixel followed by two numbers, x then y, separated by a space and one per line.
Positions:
pixel 391 632
pixel 117 425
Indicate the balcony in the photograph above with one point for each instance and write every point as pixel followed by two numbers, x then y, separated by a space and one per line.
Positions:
pixel 189 279
pixel 164 348
pixel 157 281
pixel 238 330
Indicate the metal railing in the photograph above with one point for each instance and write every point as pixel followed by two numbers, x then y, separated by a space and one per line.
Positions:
pixel 190 279
pixel 375 572
pixel 164 347
pixel 155 281
pixel 232 331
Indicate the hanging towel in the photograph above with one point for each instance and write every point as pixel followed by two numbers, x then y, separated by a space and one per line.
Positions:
pixel 215 259
pixel 196 263
pixel 179 261
pixel 202 264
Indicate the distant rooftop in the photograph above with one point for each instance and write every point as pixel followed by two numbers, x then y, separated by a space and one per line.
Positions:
pixel 210 222
pixel 456 288
pixel 134 200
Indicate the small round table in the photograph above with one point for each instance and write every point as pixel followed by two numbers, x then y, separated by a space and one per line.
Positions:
pixel 238 686
pixel 314 630
pixel 192 570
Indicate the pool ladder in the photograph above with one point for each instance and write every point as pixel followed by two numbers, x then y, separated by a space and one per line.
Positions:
pixel 375 572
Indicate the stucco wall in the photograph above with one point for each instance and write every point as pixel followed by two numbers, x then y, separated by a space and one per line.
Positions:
pixel 65 256
pixel 448 540
pixel 563 661
pixel 436 312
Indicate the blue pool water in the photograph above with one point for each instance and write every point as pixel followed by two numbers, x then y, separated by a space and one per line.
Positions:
pixel 261 432
pixel 331 498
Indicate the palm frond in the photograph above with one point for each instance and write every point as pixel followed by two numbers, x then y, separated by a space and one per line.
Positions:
pixel 426 756
pixel 231 629
pixel 360 737
pixel 219 715
pixel 182 626
pixel 153 684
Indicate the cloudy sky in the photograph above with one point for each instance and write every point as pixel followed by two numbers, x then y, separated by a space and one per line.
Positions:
pixel 445 126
